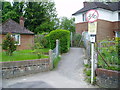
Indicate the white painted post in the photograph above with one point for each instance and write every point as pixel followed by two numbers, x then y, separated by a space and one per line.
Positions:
pixel 57 47
pixel 50 58
pixel 92 63
pixel 71 38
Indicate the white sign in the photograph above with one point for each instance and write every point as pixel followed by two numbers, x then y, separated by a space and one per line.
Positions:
pixel 92 16
pixel 92 38
pixel 92 28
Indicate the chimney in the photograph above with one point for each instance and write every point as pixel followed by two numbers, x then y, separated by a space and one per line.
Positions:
pixel 85 4
pixel 22 21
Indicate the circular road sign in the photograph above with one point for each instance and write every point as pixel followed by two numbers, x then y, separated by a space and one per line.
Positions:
pixel 92 16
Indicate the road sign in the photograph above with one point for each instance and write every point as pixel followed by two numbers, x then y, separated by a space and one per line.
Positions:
pixel 92 28
pixel 92 16
pixel 92 38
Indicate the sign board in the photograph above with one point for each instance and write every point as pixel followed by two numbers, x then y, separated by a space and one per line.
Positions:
pixel 92 16
pixel 92 28
pixel 92 38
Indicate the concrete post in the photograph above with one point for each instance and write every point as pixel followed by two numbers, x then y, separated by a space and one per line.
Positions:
pixel 50 59
pixel 57 47
pixel 92 63
pixel 71 38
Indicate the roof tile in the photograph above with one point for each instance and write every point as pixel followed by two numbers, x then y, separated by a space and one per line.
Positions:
pixel 14 27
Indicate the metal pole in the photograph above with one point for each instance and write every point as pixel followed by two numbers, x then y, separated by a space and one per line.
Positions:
pixel 71 39
pixel 92 63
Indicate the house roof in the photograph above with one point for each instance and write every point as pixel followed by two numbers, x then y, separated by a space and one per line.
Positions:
pixel 13 27
pixel 112 6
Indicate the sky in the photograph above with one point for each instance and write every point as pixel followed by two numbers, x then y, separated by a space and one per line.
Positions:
pixel 67 7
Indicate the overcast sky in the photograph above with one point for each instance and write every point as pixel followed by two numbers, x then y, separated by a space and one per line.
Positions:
pixel 67 7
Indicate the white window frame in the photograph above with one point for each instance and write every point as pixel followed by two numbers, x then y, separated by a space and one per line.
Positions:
pixel 118 16
pixel 15 36
pixel 116 33
pixel 84 17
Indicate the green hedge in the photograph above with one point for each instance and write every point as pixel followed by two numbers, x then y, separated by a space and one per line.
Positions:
pixel 63 36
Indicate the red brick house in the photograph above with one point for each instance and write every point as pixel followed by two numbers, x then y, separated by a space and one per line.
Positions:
pixel 108 23
pixel 23 36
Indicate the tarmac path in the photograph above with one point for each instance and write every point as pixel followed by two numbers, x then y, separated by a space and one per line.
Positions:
pixel 69 74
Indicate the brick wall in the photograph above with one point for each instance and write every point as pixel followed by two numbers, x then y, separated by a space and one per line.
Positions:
pixel 108 78
pixel 21 68
pixel 105 30
pixel 80 27
pixel 116 25
pixel 27 41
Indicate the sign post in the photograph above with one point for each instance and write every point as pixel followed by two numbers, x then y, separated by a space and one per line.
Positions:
pixel 91 17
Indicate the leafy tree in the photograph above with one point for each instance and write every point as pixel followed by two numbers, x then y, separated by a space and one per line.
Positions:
pixel 39 16
pixel 67 24
pixel 9 44
pixel 13 11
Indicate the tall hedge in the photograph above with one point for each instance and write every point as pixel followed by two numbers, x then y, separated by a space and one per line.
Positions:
pixel 63 36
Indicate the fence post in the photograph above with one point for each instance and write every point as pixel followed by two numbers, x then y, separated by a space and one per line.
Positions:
pixel 57 47
pixel 50 59
pixel 71 35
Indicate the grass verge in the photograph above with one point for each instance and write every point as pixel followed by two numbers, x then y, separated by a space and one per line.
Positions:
pixel 21 55
pixel 56 61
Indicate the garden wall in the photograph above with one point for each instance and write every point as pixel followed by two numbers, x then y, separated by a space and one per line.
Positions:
pixel 20 68
pixel 108 78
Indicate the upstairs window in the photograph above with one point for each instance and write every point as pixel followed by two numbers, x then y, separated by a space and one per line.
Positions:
pixel 119 16
pixel 84 17
pixel 16 38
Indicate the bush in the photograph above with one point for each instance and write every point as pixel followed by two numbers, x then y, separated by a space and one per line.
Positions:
pixel 39 38
pixel 56 61
pixel 77 42
pixel 63 36
pixel 110 53
pixel 88 72
pixel 9 44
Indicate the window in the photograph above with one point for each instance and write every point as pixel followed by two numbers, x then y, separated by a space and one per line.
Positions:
pixel 84 17
pixel 16 38
pixel 117 34
pixel 119 16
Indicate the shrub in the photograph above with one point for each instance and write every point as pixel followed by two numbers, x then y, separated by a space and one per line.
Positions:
pixel 110 53
pixel 63 36
pixel 56 61
pixel 39 38
pixel 9 44
pixel 39 44
pixel 77 42
pixel 88 72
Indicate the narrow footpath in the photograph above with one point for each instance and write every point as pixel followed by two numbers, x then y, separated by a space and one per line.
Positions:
pixel 69 74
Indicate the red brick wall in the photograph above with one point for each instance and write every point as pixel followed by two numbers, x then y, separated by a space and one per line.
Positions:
pixel 107 78
pixel 116 25
pixel 104 30
pixel 26 41
pixel 80 27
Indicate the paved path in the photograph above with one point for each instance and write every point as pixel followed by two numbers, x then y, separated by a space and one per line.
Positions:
pixel 68 75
